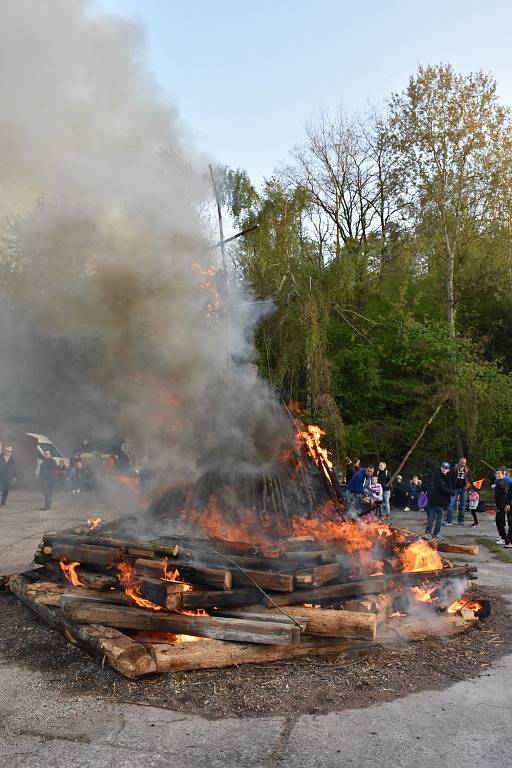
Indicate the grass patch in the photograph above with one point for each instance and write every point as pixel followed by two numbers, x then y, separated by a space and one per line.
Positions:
pixel 502 554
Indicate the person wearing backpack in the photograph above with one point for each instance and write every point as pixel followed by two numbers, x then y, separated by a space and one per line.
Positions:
pixel 438 488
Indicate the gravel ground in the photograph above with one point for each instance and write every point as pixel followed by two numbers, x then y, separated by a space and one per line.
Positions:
pixel 295 687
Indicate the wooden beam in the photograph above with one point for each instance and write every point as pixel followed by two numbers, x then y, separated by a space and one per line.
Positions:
pixel 129 658
pixel 208 599
pixel 84 553
pixel 212 654
pixel 217 578
pixel 320 621
pixel 278 582
pixel 199 626
pixel 50 593
pixel 380 605
pixel 395 630
pixel 317 576
pixel 462 549
pixel 331 592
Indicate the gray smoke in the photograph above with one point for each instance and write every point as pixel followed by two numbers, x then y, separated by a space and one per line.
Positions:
pixel 111 318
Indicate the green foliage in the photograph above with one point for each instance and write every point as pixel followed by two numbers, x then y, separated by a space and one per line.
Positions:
pixel 371 332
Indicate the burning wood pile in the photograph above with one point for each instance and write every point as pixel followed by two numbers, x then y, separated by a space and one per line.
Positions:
pixel 224 574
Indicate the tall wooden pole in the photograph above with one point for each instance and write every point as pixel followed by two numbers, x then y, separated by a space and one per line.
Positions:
pixel 221 225
pixel 413 446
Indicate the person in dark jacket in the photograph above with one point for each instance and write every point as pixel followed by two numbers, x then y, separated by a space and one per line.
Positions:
pixel 358 489
pixel 352 467
pixel 438 487
pixel 503 498
pixel 47 478
pixel 413 493
pixel 384 478
pixel 460 481
pixel 7 473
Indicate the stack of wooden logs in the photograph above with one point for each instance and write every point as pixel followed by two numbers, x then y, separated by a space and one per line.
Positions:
pixel 244 607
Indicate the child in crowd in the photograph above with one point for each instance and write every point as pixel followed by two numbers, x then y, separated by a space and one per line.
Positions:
pixel 376 495
pixel 474 501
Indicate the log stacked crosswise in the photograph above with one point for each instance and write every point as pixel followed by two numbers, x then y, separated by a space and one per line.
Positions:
pixel 134 602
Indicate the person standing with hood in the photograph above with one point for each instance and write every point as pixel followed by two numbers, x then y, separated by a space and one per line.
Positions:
pixel 7 473
pixel 437 485
pixel 47 478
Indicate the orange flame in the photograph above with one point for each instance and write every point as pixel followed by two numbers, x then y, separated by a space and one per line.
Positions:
pixel 247 532
pixel 131 586
pixel 208 285
pixel 458 605
pixel 94 522
pixel 69 571
pixel 311 439
pixel 423 594
pixel 172 574
pixel 419 556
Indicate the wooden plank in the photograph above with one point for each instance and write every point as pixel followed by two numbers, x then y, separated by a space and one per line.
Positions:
pixel 319 621
pixel 407 629
pixel 278 582
pixel 85 553
pixel 380 605
pixel 330 592
pixel 129 658
pixel 217 578
pixel 317 576
pixel 50 593
pixel 200 626
pixel 213 654
pixel 93 580
pixel 166 594
pixel 461 549
pixel 147 549
pixel 211 599
pixel 414 577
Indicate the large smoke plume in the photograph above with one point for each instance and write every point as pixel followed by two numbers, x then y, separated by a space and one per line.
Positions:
pixel 103 261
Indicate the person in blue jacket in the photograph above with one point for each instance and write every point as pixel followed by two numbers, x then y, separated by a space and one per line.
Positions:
pixel 360 481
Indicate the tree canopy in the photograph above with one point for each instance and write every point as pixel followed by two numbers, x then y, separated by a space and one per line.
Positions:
pixel 385 245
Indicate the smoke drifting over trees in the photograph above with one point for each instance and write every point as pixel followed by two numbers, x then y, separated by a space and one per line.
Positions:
pixel 102 254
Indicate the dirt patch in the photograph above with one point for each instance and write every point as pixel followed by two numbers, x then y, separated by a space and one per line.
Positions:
pixel 284 688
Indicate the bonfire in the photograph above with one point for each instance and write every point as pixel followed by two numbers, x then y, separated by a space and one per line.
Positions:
pixel 254 569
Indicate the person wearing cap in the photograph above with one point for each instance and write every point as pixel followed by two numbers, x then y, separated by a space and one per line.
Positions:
pixel 7 473
pixel 439 496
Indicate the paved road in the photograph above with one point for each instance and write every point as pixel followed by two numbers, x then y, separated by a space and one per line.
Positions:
pixel 467 724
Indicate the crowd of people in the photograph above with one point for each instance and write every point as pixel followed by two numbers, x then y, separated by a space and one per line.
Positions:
pixel 442 492
pixel 78 475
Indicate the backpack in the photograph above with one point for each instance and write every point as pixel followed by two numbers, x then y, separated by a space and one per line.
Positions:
pixel 423 500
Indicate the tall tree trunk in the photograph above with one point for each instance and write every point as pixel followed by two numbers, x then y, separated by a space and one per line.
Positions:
pixel 450 263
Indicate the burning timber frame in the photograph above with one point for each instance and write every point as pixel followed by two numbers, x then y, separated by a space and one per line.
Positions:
pixel 239 607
